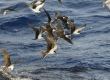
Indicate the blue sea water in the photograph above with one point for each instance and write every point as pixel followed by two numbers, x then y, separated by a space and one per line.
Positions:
pixel 87 59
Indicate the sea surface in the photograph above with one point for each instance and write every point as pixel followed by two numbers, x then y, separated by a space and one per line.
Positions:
pixel 87 59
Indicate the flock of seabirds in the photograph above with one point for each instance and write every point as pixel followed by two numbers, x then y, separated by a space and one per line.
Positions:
pixel 52 30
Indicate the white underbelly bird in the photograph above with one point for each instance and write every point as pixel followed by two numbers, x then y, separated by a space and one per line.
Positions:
pixel 36 8
pixel 4 11
pixel 7 61
pixel 51 47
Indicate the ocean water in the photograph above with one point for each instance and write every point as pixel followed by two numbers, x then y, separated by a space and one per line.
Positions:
pixel 87 59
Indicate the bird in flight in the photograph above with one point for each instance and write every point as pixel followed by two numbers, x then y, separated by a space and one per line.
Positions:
pixel 4 11
pixel 7 61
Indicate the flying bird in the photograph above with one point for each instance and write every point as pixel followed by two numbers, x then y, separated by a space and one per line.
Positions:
pixel 38 34
pixel 36 2
pixel 7 61
pixel 4 11
pixel 36 8
pixel 49 46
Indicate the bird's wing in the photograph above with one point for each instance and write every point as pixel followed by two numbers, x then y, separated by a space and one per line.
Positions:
pixel 56 14
pixel 34 2
pixel 10 9
pixel 49 43
pixel 67 39
pixel 40 5
pixel 48 15
pixel 81 28
pixel 35 29
pixel 6 58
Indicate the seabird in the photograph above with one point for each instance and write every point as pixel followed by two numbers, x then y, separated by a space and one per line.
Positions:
pixel 7 61
pixel 36 8
pixel 4 11
pixel 36 2
pixel 106 3
pixel 49 46
pixel 38 34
